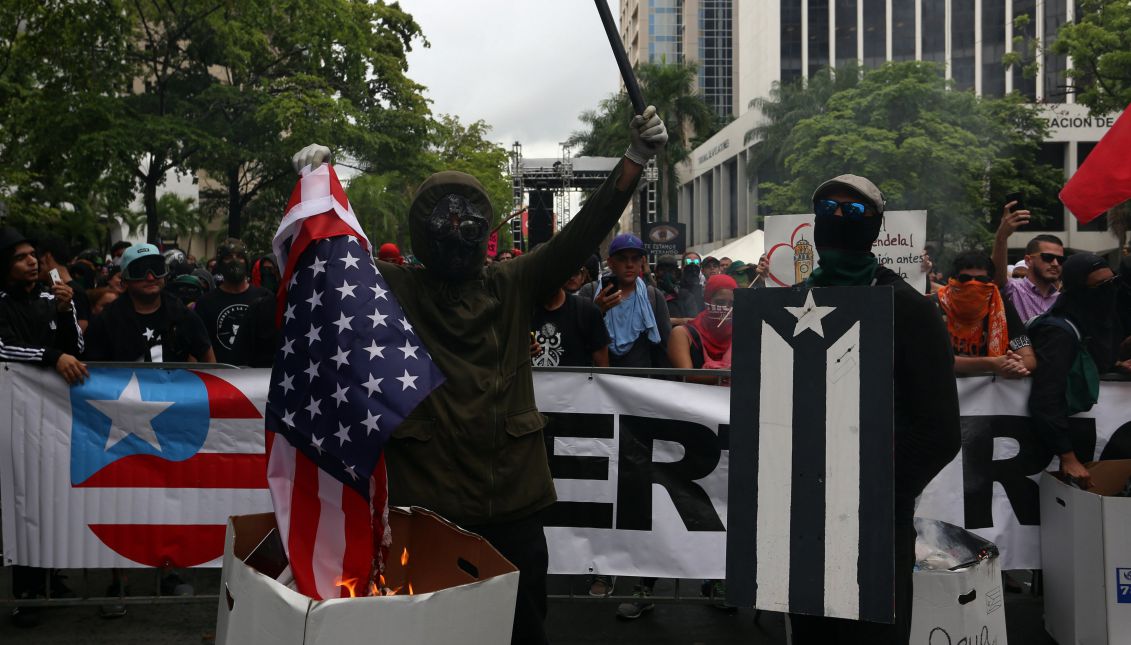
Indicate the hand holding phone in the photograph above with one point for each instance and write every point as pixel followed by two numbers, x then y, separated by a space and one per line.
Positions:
pixel 55 277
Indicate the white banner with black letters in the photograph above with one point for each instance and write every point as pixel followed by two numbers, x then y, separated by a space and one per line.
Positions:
pixel 641 467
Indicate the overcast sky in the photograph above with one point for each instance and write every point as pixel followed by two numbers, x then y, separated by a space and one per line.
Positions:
pixel 526 67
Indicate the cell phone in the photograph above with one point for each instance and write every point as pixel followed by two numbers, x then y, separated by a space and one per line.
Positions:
pixel 1016 197
pixel 607 280
pixel 55 277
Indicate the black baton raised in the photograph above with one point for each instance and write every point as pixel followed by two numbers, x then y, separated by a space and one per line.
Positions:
pixel 626 72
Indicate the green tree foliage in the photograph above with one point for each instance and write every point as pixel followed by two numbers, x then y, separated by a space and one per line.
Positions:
pixel 689 119
pixel 926 146
pixel 1099 42
pixel 60 65
pixel 99 98
pixel 382 200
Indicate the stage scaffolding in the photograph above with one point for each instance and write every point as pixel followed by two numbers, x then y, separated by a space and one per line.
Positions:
pixel 562 177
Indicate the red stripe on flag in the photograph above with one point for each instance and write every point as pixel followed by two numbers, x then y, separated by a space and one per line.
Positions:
pixel 1103 181
pixel 313 228
pixel 305 509
pixel 225 401
pixel 203 470
pixel 159 545
pixel 357 561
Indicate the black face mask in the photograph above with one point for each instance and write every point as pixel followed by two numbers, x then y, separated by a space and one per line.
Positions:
pixel 843 234
pixel 456 234
pixel 234 270
pixel 689 277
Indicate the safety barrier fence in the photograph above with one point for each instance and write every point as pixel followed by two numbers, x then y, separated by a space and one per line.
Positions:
pixel 85 583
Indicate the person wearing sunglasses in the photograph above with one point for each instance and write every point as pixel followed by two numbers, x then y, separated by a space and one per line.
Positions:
pixel 1036 292
pixel 1077 340
pixel 986 333
pixel 147 324
pixel 849 212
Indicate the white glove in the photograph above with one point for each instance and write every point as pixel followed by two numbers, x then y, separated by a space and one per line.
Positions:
pixel 648 136
pixel 312 155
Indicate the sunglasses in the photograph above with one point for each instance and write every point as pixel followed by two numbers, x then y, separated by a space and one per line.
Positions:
pixel 1051 257
pixel 691 261
pixel 827 208
pixel 141 268
pixel 966 277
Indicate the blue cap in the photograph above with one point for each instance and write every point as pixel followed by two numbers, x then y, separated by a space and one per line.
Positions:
pixel 625 242
pixel 137 251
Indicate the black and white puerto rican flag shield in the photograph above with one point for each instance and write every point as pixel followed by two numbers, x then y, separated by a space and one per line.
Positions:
pixel 811 473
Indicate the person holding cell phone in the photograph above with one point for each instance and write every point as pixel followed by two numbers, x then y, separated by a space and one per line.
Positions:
pixel 1035 293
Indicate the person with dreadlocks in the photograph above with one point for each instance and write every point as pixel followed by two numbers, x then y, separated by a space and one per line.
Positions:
pixel 1076 341
pixel 986 333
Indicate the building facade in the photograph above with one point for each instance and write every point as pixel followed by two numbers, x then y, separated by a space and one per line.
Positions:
pixel 677 31
pixel 782 40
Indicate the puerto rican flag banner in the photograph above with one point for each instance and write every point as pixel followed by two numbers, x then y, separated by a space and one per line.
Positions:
pixel 811 493
pixel 350 369
pixel 135 467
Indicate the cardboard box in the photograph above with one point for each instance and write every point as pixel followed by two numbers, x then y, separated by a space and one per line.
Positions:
pixel 1086 557
pixel 965 605
pixel 464 591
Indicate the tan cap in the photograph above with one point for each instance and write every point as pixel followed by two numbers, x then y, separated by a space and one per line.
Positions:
pixel 857 184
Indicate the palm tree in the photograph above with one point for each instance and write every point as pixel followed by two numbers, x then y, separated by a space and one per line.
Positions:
pixel 689 119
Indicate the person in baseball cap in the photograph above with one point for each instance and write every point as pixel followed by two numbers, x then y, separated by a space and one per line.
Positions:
pixel 849 212
pixel 389 252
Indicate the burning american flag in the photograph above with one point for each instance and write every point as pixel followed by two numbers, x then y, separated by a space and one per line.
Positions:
pixel 349 370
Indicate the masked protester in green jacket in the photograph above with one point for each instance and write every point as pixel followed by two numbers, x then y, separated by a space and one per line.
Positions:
pixel 473 450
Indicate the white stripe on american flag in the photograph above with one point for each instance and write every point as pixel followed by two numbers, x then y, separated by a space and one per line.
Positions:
pixel 330 545
pixel 842 474
pixel 280 479
pixel 775 484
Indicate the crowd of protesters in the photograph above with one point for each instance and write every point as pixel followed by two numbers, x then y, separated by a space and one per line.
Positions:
pixel 1058 319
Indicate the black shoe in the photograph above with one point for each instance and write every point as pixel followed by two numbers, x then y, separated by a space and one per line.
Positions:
pixel 25 617
pixel 59 589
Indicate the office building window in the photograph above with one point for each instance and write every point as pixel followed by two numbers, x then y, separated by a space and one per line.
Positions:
pixel 934 30
pixel 875 36
pixel 1056 13
pixel 790 40
pixel 665 31
pixel 1100 223
pixel 709 193
pixel 993 47
pixel 903 29
pixel 962 44
pixel 1024 83
pixel 1051 154
pixel 845 32
pixel 716 55
pixel 818 35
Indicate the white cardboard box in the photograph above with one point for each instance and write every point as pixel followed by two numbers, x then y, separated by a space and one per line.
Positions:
pixel 450 605
pixel 963 606
pixel 1086 557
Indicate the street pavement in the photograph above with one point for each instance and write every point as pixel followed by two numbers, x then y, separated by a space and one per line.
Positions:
pixel 577 621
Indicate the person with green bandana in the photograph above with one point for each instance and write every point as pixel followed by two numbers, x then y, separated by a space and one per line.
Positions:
pixel 849 215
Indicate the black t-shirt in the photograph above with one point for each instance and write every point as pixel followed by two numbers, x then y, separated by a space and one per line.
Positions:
pixel 222 314
pixel 155 326
pixel 169 335
pixel 570 334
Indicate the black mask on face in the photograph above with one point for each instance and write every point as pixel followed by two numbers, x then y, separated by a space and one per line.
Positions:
pixel 843 234
pixel 689 277
pixel 456 234
pixel 233 269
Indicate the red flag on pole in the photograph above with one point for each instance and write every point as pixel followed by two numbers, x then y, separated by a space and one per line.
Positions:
pixel 1104 179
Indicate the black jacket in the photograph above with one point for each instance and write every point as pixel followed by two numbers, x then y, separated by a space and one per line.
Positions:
pixel 927 426
pixel 32 331
pixel 116 334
